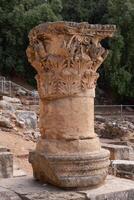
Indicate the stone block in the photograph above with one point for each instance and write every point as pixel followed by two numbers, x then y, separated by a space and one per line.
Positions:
pixel 113 189
pixel 117 152
pixel 6 164
pixel 123 168
pixel 27 189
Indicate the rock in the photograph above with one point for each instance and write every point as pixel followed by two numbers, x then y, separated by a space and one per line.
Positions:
pixel 6 164
pixel 20 124
pixel 32 135
pixel 12 116
pixel 99 128
pixel 8 114
pixel 11 100
pixel 4 149
pixel 123 168
pixel 35 94
pixel 112 130
pixel 100 118
pixel 121 129
pixel 28 117
pixel 4 105
pixel 14 102
pixel 18 106
pixel 117 152
pixel 5 123
pixel 6 130
pixel 37 135
pixel 21 92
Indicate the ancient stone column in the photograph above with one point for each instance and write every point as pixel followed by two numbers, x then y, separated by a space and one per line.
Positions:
pixel 66 56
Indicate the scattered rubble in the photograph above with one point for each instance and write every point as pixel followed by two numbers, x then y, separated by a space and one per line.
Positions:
pixel 32 135
pixel 114 128
pixel 5 105
pixel 118 137
pixel 117 152
pixel 14 116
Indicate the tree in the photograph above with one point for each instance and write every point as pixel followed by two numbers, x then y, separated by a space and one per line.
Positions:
pixel 117 73
pixel 119 68
pixel 17 17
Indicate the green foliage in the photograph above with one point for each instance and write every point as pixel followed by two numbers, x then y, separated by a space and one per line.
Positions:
pixel 17 17
pixel 119 67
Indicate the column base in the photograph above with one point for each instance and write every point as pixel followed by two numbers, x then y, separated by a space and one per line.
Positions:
pixel 73 171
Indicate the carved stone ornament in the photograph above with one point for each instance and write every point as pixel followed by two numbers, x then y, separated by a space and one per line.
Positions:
pixel 66 56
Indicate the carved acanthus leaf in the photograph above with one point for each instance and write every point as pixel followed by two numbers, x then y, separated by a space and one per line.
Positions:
pixel 69 85
pixel 66 56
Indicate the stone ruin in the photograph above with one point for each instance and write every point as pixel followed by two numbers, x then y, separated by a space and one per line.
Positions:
pixel 66 56
pixel 69 153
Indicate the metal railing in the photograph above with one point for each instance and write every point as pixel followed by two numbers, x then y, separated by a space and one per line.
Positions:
pixel 114 110
pixel 10 88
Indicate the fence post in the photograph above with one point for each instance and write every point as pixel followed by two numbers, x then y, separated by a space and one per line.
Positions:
pixel 121 110
pixel 10 89
pixel 2 85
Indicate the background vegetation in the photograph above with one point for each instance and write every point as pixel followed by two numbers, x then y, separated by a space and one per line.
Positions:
pixel 17 17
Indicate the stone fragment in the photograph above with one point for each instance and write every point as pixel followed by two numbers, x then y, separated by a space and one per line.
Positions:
pixel 8 195
pixel 11 100
pixel 21 92
pixel 100 118
pixel 117 152
pixel 6 164
pixel 28 117
pixel 4 105
pixel 32 135
pixel 5 123
pixel 20 123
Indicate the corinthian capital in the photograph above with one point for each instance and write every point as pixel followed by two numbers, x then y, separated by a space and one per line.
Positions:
pixel 66 56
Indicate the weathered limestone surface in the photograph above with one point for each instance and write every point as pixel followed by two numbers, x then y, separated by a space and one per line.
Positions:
pixel 27 189
pixel 6 194
pixel 117 152
pixel 6 163
pixel 66 56
pixel 123 168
